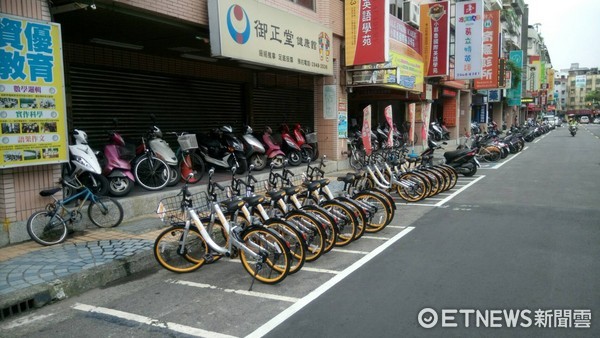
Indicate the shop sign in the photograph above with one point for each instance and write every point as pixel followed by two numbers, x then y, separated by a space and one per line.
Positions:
pixel 435 27
pixel 469 40
pixel 366 31
pixel 251 31
pixel 491 51
pixel 33 127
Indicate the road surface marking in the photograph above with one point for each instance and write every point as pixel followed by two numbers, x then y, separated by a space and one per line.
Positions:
pixel 418 204
pixel 287 313
pixel 442 202
pixel 239 292
pixel 375 237
pixel 304 268
pixel 350 251
pixel 192 331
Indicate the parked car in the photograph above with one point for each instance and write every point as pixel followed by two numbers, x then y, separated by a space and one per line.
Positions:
pixel 597 120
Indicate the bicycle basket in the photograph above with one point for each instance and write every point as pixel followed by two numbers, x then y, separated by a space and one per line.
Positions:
pixel 171 208
pixel 261 187
pixel 311 137
pixel 297 179
pixel 187 141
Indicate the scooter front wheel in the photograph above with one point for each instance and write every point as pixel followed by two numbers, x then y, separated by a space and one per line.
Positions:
pixel 278 161
pixel 294 158
pixel 259 161
pixel 119 186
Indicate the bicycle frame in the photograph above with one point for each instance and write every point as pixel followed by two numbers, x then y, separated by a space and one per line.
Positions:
pixel 60 205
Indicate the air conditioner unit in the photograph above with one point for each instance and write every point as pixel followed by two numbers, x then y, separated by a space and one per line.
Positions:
pixel 410 13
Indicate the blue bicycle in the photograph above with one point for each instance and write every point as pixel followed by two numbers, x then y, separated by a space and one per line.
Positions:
pixel 49 226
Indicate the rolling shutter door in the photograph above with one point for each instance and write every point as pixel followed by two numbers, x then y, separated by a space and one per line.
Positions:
pixel 179 104
pixel 274 106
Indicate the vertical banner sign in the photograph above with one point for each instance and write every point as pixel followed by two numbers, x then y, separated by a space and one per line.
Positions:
pixel 366 130
pixel 32 97
pixel 390 122
pixel 329 102
pixel 514 92
pixel 435 29
pixel 405 54
pixel 412 107
pixel 342 124
pixel 469 36
pixel 491 51
pixel 425 115
pixel 366 31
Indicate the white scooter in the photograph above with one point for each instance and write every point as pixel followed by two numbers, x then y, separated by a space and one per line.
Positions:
pixel 84 166
pixel 163 151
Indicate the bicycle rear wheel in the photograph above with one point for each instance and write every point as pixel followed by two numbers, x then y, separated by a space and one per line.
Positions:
pixel 46 228
pixel 272 263
pixel 151 173
pixel 170 254
pixel 105 212
pixel 379 218
pixel 294 240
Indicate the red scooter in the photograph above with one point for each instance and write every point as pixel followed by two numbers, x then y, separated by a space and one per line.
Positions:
pixel 306 139
pixel 117 164
pixel 274 153
pixel 290 147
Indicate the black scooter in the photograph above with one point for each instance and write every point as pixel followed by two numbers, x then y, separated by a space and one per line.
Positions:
pixel 462 160
pixel 223 149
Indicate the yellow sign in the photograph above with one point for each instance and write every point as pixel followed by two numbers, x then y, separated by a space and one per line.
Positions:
pixel 32 97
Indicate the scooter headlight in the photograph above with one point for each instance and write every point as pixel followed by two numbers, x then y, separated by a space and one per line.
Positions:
pixel 82 161
pixel 238 147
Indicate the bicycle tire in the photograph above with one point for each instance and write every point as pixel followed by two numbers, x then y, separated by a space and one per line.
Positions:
pixel 416 192
pixel 314 234
pixel 294 240
pixel 274 264
pixel 346 221
pixel 43 232
pixel 379 219
pixel 326 222
pixel 167 245
pixel 151 173
pixel 359 213
pixel 174 175
pixel 105 212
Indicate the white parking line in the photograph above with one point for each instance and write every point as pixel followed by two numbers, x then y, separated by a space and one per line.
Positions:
pixel 304 268
pixel 192 331
pixel 376 237
pixel 417 204
pixel 239 292
pixel 442 202
pixel 287 313
pixel 350 251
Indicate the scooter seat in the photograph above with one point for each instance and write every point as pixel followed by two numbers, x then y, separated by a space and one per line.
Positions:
pixel 450 155
pixel 254 200
pixel 276 195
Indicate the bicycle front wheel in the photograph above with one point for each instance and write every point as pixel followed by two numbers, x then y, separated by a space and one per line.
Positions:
pixel 175 254
pixel 269 260
pixel 152 173
pixel 46 228
pixel 105 212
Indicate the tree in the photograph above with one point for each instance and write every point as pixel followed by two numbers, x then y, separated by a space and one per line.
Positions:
pixel 593 97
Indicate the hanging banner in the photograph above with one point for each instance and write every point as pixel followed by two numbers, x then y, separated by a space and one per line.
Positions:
pixel 469 40
pixel 390 121
pixel 425 115
pixel 491 52
pixel 342 124
pixel 32 95
pixel 329 102
pixel 514 92
pixel 435 29
pixel 366 130
pixel 412 107
pixel 366 31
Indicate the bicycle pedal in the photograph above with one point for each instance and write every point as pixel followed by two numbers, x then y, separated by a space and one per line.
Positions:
pixel 209 258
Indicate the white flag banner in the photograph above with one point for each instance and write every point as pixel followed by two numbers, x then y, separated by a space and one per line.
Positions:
pixel 469 40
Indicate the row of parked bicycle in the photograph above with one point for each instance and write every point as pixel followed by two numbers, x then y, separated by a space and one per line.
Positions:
pixel 153 164
pixel 274 225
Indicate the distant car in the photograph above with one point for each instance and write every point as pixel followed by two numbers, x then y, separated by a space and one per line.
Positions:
pixel 558 121
pixel 597 120
pixel 584 120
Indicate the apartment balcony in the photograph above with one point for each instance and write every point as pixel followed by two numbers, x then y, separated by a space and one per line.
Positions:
pixel 517 5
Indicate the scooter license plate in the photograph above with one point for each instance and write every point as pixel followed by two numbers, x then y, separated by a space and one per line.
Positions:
pixel 477 162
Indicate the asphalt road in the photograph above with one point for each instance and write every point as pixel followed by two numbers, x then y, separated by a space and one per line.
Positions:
pixel 523 236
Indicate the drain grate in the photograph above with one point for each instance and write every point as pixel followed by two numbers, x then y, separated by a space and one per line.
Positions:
pixel 16 309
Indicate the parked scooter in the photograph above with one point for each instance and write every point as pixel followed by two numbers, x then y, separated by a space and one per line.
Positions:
pixel 275 155
pixel 84 166
pixel 439 132
pixel 290 147
pixel 306 150
pixel 462 160
pixel 255 151
pixel 116 166
pixel 222 149
pixel 310 138
pixel 163 151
